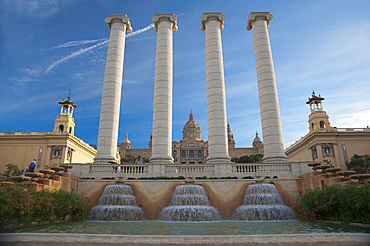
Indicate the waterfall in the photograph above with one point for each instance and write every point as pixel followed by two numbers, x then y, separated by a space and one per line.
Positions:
pixel 189 203
pixel 263 202
pixel 117 203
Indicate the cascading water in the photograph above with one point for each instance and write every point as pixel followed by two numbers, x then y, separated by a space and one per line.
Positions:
pixel 117 203
pixel 189 203
pixel 263 202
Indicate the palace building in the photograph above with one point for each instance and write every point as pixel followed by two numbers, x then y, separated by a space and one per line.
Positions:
pixel 326 143
pixel 191 149
pixel 48 148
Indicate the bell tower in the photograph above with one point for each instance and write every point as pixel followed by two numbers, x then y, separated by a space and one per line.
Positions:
pixel 64 123
pixel 318 119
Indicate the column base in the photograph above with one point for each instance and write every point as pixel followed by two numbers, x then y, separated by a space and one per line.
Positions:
pixel 105 160
pixel 275 159
pixel 218 159
pixel 161 160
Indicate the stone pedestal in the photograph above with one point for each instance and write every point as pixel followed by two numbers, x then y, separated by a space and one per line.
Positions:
pixel 268 97
pixel 165 24
pixel 212 24
pixel 111 99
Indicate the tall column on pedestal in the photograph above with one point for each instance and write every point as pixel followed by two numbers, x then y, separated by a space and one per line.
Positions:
pixel 165 24
pixel 111 99
pixel 268 97
pixel 212 23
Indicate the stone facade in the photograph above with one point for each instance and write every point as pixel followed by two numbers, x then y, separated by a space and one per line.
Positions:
pixel 48 148
pixel 191 149
pixel 326 143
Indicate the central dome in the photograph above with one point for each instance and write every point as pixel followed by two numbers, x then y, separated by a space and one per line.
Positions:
pixel 191 129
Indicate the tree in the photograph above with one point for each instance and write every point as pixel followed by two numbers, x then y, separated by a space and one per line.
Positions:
pixel 248 159
pixel 11 170
pixel 360 164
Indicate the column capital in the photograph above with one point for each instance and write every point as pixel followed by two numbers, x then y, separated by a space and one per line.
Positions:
pixel 206 16
pixel 171 17
pixel 121 18
pixel 258 16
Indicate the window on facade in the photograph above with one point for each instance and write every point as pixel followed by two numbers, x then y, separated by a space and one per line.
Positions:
pixel 199 154
pixel 322 125
pixel 70 130
pixel 183 155
pixel 314 152
pixel 174 153
pixel 61 129
pixel 313 127
pixel 191 154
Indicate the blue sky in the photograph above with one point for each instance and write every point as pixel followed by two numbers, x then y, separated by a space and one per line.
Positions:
pixel 50 46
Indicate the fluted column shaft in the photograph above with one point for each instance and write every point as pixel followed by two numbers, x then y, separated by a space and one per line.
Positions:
pixel 267 90
pixel 111 98
pixel 165 24
pixel 212 24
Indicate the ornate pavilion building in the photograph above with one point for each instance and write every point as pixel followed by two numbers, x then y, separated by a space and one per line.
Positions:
pixel 326 143
pixel 191 149
pixel 48 148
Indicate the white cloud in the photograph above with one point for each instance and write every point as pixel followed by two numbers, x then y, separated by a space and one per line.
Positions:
pixel 35 8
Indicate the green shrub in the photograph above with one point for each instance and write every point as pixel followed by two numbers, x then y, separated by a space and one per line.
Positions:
pixel 347 204
pixel 11 170
pixel 24 206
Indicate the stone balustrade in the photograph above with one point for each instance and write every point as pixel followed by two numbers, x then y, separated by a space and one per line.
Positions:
pixel 196 170
pixel 192 170
pixel 262 169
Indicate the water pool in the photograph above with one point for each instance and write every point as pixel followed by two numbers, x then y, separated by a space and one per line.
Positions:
pixel 191 228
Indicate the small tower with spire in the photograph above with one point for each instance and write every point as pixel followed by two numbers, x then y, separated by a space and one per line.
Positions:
pixel 230 137
pixel 318 119
pixel 258 144
pixel 64 123
pixel 125 145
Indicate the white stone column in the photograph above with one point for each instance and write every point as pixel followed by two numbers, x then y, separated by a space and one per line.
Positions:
pixel 111 99
pixel 268 97
pixel 165 24
pixel 212 23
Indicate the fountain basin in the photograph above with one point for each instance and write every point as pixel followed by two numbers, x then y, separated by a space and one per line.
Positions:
pixel 117 203
pixel 192 228
pixel 189 202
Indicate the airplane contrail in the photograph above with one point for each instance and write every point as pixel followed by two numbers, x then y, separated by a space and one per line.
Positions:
pixel 76 43
pixel 82 51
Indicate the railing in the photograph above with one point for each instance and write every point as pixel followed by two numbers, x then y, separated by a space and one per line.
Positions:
pixel 194 170
pixel 23 133
pixel 353 129
pixel 261 168
pixel 111 170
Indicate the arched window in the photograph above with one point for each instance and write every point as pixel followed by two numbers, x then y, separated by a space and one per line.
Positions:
pixel 70 130
pixel 313 127
pixel 322 125
pixel 191 154
pixel 174 154
pixel 200 154
pixel 183 155
pixel 61 129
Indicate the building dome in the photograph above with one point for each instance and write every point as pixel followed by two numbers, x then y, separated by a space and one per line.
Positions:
pixel 126 143
pixel 257 142
pixel 191 129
